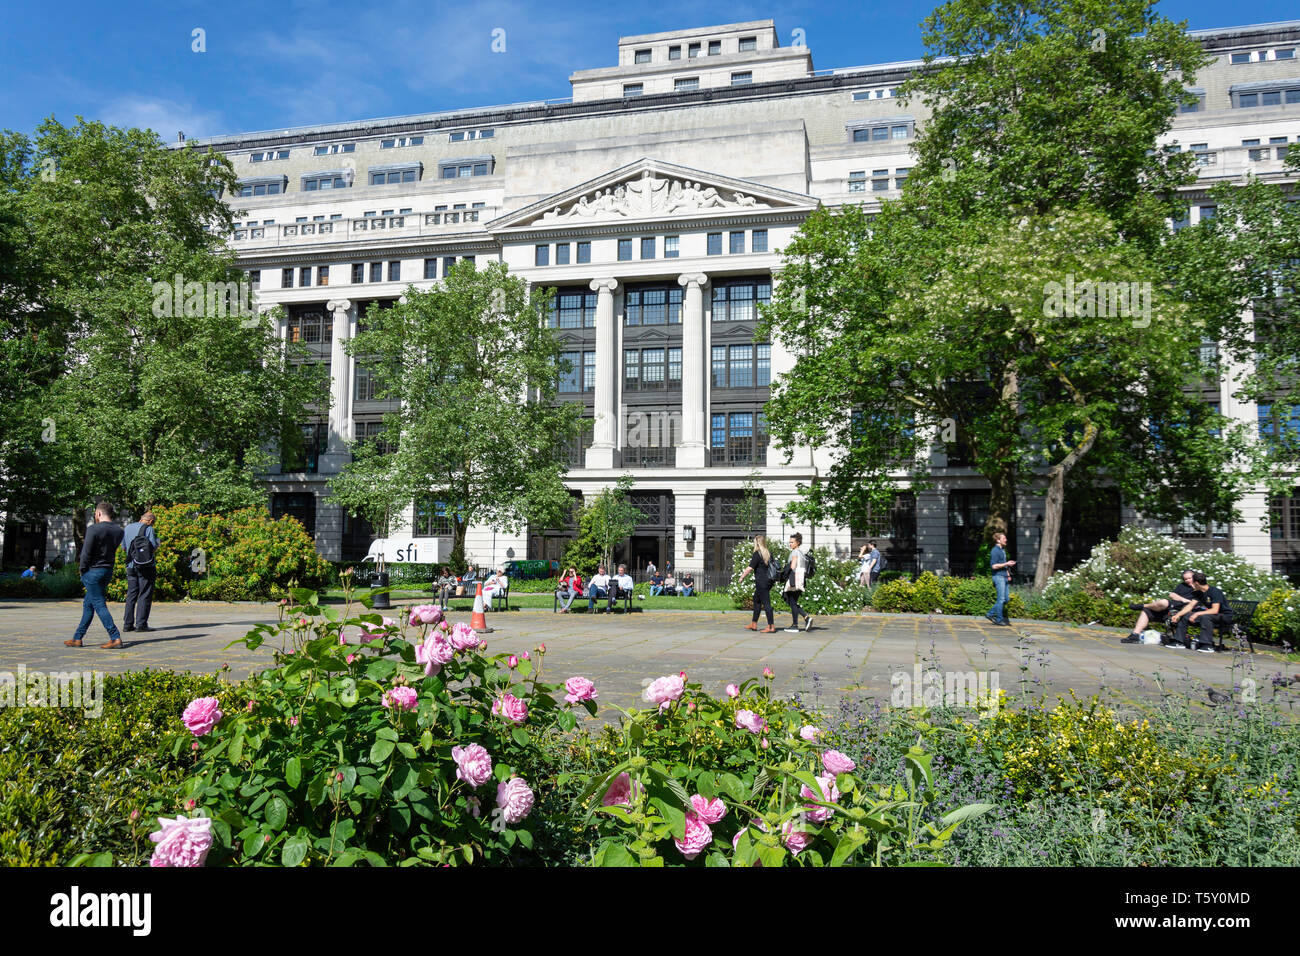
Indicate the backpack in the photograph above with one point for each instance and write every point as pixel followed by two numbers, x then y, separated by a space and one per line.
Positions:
pixel 809 565
pixel 774 570
pixel 141 551
pixel 880 565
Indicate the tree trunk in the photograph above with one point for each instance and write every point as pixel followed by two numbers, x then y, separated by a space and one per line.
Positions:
pixel 1053 506
pixel 78 532
pixel 458 528
pixel 1002 501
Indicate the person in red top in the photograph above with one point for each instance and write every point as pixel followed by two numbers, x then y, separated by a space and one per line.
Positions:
pixel 570 588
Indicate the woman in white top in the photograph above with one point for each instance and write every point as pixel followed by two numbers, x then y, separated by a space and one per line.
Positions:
pixel 794 585
pixel 497 581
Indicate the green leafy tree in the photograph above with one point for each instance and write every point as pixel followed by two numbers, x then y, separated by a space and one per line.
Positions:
pixel 607 520
pixel 472 367
pixel 153 399
pixel 982 308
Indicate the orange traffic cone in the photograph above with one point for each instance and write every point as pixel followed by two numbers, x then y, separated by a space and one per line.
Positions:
pixel 478 621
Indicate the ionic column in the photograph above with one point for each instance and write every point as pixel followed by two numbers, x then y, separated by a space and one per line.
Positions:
pixel 340 418
pixel 605 433
pixel 693 451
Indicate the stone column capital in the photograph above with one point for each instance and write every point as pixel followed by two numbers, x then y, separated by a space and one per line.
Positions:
pixel 604 285
pixel 697 279
pixel 338 305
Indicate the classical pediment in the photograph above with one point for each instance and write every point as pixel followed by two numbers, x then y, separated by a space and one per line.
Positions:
pixel 649 189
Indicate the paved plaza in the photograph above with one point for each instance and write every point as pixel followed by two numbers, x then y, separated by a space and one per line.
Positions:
pixel 847 654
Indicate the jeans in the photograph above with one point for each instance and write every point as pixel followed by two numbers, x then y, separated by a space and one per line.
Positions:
pixel 139 588
pixel 792 599
pixel 763 602
pixel 94 581
pixel 1003 588
pixel 594 594
pixel 656 590
pixel 686 591
pixel 566 596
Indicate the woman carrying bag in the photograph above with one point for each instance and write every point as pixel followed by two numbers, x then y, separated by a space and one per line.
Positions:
pixel 761 567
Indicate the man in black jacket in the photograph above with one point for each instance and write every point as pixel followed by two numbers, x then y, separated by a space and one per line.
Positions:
pixel 1171 609
pixel 141 570
pixel 103 538
pixel 1211 609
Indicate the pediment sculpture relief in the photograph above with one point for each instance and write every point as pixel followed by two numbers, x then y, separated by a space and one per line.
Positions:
pixel 651 196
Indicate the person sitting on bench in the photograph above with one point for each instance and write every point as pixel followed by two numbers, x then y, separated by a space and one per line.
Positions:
pixel 598 588
pixel 687 586
pixel 497 581
pixel 1211 610
pixel 1171 609
pixel 656 584
pixel 670 585
pixel 621 586
pixel 445 585
pixel 570 588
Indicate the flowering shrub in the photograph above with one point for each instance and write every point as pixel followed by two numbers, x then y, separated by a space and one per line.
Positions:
pixel 744 781
pixel 372 739
pixel 248 556
pixel 1278 616
pixel 1142 564
pixel 832 590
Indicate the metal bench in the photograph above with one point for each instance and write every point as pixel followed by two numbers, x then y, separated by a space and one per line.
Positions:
pixel 620 595
pixel 1242 614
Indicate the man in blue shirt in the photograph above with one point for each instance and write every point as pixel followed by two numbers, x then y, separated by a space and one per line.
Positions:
pixel 141 571
pixel 1001 579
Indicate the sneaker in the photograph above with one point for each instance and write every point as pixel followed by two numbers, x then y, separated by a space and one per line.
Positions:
pixel 807 624
pixel 792 630
pixel 1205 648
pixel 1177 645
pixel 1131 639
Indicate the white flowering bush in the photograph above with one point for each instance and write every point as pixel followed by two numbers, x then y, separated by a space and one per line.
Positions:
pixel 832 590
pixel 1278 616
pixel 1143 564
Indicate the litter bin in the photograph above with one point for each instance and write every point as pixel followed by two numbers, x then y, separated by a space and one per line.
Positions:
pixel 382 602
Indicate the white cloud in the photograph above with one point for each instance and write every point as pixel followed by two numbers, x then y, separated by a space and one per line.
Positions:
pixel 163 116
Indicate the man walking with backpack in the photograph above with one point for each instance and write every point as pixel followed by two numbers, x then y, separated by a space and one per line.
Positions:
pixel 140 542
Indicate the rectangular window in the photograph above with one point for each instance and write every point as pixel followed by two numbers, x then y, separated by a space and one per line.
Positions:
pixel 692 51
pixel 584 252
pixel 715 244
pixel 641 56
pixel 879 180
pixel 674 53
pixel 674 368
pixel 255 278
pixel 1288 54
pixel 748 44
pixel 431 268
pixel 652 368
pixel 588 371
pixel 742 79
pixel 632 89
pixel 648 248
pixel 625 250
pixel 736 300
pixel 737 245
pixel 763 365
pixel 376 272
pixel 631 370
pixel 1241 58
pixel 573 309
pixel 447 263
pixel 304 276
pixel 1271 98
pixel 683 83
pixel 900 177
pixel 719 366
pixel 323 275
pixel 759 242
pixel 1248 100
pixel 286 278
pixel 542 255
pixel 741 366
pixel 653 305
pixel 715 47
pixel 858 181
pixel 561 253
pixel 671 246
pixel 394 271
pixel 569 380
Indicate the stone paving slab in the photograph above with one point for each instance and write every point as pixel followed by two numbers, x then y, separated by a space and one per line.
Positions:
pixel 850 653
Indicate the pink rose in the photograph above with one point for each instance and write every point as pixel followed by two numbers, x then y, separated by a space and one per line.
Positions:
pixel 710 811
pixel 512 662
pixel 809 732
pixel 664 691
pixel 698 837
pixel 511 708
pixel 764 744
pixel 425 614
pixel 515 799
pixel 463 637
pixel 184 841
pixel 748 720
pixel 526 657
pixel 733 691
pixel 351 658
pixel 579 689
pixel 796 841
pixel 201 715
pixel 433 653
pixel 401 698
pixel 829 794
pixel 473 764
pixel 767 672
pixel 293 721
pixel 621 791
pixel 837 763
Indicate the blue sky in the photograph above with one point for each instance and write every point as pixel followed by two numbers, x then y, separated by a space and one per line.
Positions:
pixel 270 65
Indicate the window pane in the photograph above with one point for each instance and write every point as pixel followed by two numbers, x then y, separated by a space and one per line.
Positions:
pixel 671 246
pixel 584 252
pixel 760 240
pixel 653 307
pixel 719 366
pixel 715 244
pixel 631 369
pixel 652 370
pixel 742 366
pixel 624 250
pixel 764 368
pixel 737 243
pixel 648 248
pixel 674 366
pixel 562 254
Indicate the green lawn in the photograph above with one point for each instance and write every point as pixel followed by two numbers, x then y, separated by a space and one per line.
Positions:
pixel 697 602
